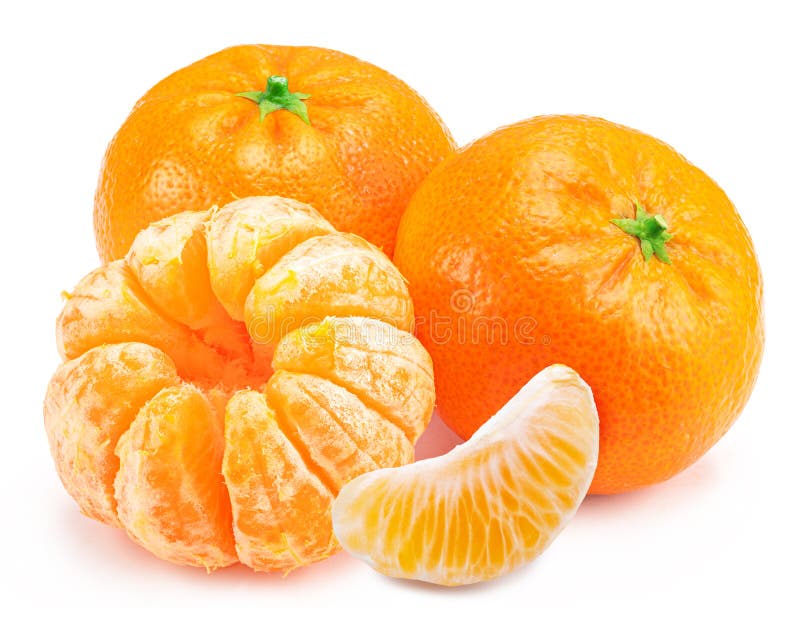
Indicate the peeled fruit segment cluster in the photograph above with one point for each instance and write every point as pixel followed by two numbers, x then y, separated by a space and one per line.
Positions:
pixel 227 378
pixel 488 505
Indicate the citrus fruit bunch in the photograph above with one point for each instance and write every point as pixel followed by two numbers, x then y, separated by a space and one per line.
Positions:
pixel 569 239
pixel 237 381
pixel 303 122
pixel 224 380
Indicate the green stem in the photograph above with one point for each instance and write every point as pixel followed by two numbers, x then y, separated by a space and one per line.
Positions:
pixel 651 230
pixel 277 97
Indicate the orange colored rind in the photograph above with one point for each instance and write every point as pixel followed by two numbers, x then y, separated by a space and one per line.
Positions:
pixel 526 239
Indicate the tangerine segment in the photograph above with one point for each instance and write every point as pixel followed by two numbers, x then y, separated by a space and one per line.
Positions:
pixel 490 504
pixel 248 236
pixel 109 306
pixel 336 433
pixel 168 259
pixel 272 491
pixel 171 497
pixel 90 402
pixel 334 275
pixel 385 367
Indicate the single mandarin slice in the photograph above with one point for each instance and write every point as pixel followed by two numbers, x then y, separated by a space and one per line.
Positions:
pixel 490 504
pixel 168 259
pixel 340 435
pixel 248 236
pixel 171 497
pixel 336 275
pixel 90 402
pixel 387 368
pixel 272 491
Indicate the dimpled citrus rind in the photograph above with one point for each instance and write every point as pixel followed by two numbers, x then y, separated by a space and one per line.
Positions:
pixel 517 238
pixel 191 141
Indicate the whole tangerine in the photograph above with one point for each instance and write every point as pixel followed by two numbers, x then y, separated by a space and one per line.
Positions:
pixel 570 239
pixel 302 122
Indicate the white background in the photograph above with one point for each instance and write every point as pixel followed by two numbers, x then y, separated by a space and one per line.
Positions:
pixel 717 544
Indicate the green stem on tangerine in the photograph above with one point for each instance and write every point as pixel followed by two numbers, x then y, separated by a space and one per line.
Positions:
pixel 277 97
pixel 651 231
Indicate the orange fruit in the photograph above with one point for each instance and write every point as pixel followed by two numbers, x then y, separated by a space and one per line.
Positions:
pixel 491 503
pixel 225 380
pixel 306 123
pixel 526 248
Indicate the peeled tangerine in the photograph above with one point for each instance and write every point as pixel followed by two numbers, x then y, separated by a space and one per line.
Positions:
pixel 490 504
pixel 227 378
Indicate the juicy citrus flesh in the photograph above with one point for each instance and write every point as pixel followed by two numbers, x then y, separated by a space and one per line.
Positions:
pixel 191 142
pixel 215 417
pixel 490 504
pixel 515 231
pixel 90 402
pixel 170 492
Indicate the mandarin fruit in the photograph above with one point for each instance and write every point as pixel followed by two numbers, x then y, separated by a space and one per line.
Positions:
pixel 223 381
pixel 571 239
pixel 328 129
pixel 491 503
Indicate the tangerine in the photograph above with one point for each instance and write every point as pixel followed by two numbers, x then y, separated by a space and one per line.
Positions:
pixel 570 239
pixel 223 381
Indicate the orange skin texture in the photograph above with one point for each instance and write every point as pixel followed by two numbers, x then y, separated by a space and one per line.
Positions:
pixel 177 418
pixel 190 142
pixel 516 229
